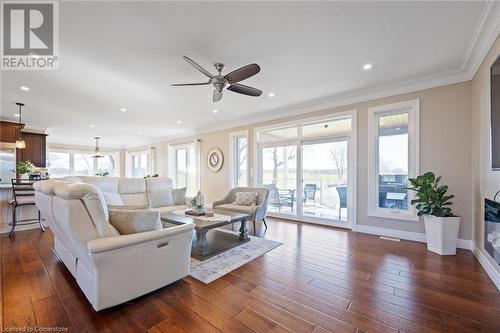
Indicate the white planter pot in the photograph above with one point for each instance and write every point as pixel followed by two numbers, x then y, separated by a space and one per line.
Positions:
pixel 24 176
pixel 442 234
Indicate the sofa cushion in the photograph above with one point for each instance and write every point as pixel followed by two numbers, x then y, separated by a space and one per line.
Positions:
pixel 168 209
pixel 135 199
pixel 245 198
pixel 179 196
pixel 134 221
pixel 161 197
pixel 237 208
pixel 128 207
pixel 158 183
pixel 112 198
pixel 93 201
pixel 105 184
pixel 131 185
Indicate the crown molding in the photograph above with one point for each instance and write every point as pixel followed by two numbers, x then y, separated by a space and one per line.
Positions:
pixel 484 36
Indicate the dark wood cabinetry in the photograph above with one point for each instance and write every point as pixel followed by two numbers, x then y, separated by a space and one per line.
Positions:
pixel 35 150
pixel 9 132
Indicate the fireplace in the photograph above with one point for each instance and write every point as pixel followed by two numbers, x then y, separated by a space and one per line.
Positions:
pixel 492 228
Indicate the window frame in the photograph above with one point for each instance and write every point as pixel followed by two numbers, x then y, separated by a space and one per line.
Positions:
pixel 234 158
pixel 412 107
pixel 139 154
pixel 257 146
pixel 172 163
pixel 71 154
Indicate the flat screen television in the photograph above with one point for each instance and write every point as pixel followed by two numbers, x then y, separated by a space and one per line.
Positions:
pixel 495 114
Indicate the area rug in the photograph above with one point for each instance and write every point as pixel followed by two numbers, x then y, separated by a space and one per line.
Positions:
pixel 225 262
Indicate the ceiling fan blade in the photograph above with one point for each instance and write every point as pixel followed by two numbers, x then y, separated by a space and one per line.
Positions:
pixel 242 73
pixel 217 96
pixel 245 90
pixel 198 67
pixel 189 84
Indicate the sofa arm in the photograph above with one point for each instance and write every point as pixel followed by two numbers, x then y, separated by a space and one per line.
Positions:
pixel 218 203
pixel 117 242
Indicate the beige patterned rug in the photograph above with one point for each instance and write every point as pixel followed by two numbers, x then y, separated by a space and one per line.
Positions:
pixel 225 262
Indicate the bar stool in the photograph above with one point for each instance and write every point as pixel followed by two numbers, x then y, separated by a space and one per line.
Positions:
pixel 24 195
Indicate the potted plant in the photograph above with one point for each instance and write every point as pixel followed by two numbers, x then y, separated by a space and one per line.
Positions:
pixel 432 202
pixel 24 168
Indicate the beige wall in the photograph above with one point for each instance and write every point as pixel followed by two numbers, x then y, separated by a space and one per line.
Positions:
pixel 445 148
pixel 485 181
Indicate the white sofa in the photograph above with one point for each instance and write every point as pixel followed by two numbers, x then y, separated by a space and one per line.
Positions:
pixel 111 268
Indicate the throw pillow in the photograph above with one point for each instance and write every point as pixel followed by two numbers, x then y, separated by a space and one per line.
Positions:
pixel 134 221
pixel 161 198
pixel 128 207
pixel 246 198
pixel 179 196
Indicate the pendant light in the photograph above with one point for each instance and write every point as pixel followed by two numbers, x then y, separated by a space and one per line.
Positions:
pixel 97 151
pixel 20 144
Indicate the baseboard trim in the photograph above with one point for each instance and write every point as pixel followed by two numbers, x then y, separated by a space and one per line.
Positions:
pixel 490 269
pixel 407 235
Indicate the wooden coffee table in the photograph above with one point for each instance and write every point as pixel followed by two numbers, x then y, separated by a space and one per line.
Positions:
pixel 205 246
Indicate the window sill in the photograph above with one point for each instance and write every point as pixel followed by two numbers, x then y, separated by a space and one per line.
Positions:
pixel 394 216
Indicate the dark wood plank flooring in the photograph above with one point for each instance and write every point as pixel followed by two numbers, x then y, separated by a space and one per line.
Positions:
pixel 320 280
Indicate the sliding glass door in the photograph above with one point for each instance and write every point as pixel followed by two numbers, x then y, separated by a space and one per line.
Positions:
pixel 307 169
pixel 324 180
pixel 279 175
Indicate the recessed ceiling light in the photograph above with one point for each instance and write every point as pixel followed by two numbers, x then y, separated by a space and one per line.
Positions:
pixel 24 88
pixel 367 67
pixel 123 110
pixel 215 111
pixel 92 126
pixel 271 94
pixel 179 122
pixel 16 114
pixel 140 133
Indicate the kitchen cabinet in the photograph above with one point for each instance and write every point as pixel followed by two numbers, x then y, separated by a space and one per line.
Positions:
pixel 9 131
pixel 35 150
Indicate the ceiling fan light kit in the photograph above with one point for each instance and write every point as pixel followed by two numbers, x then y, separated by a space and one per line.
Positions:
pixel 229 81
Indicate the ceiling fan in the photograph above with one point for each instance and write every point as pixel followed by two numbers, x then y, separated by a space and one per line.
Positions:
pixel 228 81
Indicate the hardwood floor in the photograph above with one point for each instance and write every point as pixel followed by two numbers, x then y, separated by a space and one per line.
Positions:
pixel 320 280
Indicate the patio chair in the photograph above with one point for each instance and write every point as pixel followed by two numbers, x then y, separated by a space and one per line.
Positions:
pixel 342 191
pixel 309 193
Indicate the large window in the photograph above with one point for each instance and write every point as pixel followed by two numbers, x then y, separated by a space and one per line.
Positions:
pixel 394 155
pixel 140 164
pixel 239 158
pixel 183 161
pixel 59 164
pixel 309 168
pixel 64 163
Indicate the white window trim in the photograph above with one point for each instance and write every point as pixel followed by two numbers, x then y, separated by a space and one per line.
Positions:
pixel 72 152
pixel 131 154
pixel 413 109
pixel 172 161
pixel 233 157
pixel 352 162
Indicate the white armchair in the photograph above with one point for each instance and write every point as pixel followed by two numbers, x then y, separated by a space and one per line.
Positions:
pixel 110 268
pixel 256 212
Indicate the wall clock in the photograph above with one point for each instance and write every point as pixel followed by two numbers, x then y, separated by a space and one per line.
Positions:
pixel 215 159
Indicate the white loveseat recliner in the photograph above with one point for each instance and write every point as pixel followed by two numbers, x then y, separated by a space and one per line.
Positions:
pixel 111 268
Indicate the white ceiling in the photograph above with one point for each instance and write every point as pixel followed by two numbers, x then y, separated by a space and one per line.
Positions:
pixel 126 54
